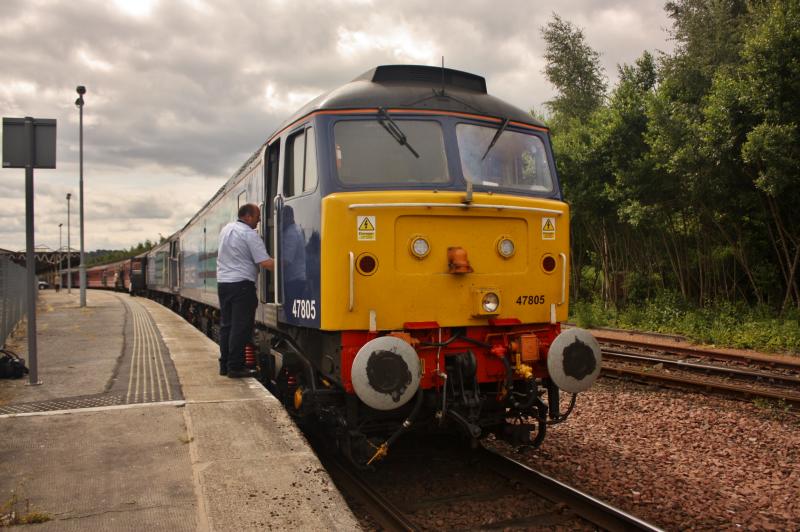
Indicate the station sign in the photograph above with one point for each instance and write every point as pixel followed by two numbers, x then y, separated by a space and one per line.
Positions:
pixel 16 142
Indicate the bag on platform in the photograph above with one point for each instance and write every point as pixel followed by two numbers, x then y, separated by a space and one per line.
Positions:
pixel 11 365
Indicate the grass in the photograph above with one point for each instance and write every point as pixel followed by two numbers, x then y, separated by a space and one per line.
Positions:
pixel 722 324
pixel 10 515
pixel 780 410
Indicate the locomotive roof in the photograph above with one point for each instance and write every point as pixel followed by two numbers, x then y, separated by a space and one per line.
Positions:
pixel 416 87
pixel 399 86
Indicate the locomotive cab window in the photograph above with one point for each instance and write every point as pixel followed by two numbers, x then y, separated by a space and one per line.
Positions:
pixel 367 154
pixel 301 164
pixel 516 160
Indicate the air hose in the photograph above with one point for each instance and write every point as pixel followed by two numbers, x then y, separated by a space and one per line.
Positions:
pixel 383 449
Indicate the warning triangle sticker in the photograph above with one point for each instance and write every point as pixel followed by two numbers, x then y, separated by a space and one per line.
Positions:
pixel 548 225
pixel 366 225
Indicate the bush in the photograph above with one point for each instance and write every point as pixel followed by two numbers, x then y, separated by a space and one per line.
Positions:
pixel 584 315
pixel 720 323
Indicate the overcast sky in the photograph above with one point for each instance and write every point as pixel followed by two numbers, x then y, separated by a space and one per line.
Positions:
pixel 181 92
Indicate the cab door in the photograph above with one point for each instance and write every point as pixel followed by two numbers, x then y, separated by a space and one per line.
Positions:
pixel 174 270
pixel 272 160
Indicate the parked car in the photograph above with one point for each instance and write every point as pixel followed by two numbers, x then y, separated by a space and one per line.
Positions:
pixel 43 285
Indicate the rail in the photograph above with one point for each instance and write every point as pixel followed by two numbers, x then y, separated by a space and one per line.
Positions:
pixel 387 515
pixel 688 365
pixel 776 361
pixel 743 382
pixel 593 510
pixel 12 296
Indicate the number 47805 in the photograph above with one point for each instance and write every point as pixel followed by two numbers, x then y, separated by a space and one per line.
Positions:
pixel 530 300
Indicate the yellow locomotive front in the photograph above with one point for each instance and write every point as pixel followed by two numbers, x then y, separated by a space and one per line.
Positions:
pixel 394 257
pixel 444 271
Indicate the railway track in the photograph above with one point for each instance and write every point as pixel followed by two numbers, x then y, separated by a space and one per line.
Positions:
pixel 780 362
pixel 589 508
pixel 741 375
pixel 385 514
pixel 559 505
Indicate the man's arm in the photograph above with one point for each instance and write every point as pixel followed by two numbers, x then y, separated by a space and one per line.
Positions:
pixel 259 251
pixel 268 264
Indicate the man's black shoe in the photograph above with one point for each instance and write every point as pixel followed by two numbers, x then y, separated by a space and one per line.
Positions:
pixel 241 373
pixel 223 371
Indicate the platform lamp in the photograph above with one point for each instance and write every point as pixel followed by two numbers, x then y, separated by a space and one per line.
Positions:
pixel 60 255
pixel 81 90
pixel 69 249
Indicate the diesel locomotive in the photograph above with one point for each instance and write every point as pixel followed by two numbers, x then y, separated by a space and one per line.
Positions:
pixel 422 259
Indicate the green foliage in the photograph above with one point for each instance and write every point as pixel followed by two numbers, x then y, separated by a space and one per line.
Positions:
pixel 573 67
pixel 775 150
pixel 723 323
pixel 585 314
pixel 683 179
pixel 105 256
pixel 776 409
pixel 11 514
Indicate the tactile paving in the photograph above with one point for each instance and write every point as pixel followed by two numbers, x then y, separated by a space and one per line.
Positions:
pixel 69 403
pixel 145 373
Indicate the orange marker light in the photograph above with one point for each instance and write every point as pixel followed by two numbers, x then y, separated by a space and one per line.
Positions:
pixel 457 261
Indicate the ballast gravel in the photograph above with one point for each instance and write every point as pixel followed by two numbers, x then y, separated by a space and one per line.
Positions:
pixel 681 461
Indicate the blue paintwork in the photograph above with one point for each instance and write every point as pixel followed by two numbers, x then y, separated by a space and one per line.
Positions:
pixel 301 300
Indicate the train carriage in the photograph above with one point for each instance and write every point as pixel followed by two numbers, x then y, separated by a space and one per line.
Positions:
pixel 422 257
pixel 111 276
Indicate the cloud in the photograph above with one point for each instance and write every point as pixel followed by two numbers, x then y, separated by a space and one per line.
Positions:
pixel 181 92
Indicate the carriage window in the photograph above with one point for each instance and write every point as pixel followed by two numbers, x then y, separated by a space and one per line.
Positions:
pixel 516 161
pixel 301 164
pixel 367 154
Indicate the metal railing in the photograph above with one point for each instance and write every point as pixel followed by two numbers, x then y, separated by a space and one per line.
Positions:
pixel 12 296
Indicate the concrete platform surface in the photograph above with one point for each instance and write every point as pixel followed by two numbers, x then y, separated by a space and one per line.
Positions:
pixel 78 347
pixel 172 446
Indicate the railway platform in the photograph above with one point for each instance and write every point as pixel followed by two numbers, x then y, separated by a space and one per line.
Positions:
pixel 133 429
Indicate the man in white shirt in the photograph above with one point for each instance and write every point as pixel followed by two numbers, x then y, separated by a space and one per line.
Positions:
pixel 241 252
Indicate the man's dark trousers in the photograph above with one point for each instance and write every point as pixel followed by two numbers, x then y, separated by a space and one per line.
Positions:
pixel 237 303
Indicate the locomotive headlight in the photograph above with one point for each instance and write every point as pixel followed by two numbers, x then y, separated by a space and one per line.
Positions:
pixel 505 247
pixel 490 302
pixel 420 247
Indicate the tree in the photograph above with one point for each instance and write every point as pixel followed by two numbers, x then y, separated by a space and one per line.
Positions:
pixel 105 256
pixel 573 67
pixel 685 176
pixel 770 90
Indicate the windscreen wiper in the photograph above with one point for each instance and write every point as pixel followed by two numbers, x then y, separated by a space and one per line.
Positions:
pixel 394 130
pixel 494 139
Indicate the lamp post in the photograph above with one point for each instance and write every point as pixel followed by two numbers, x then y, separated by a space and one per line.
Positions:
pixel 69 250
pixel 81 90
pixel 60 258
